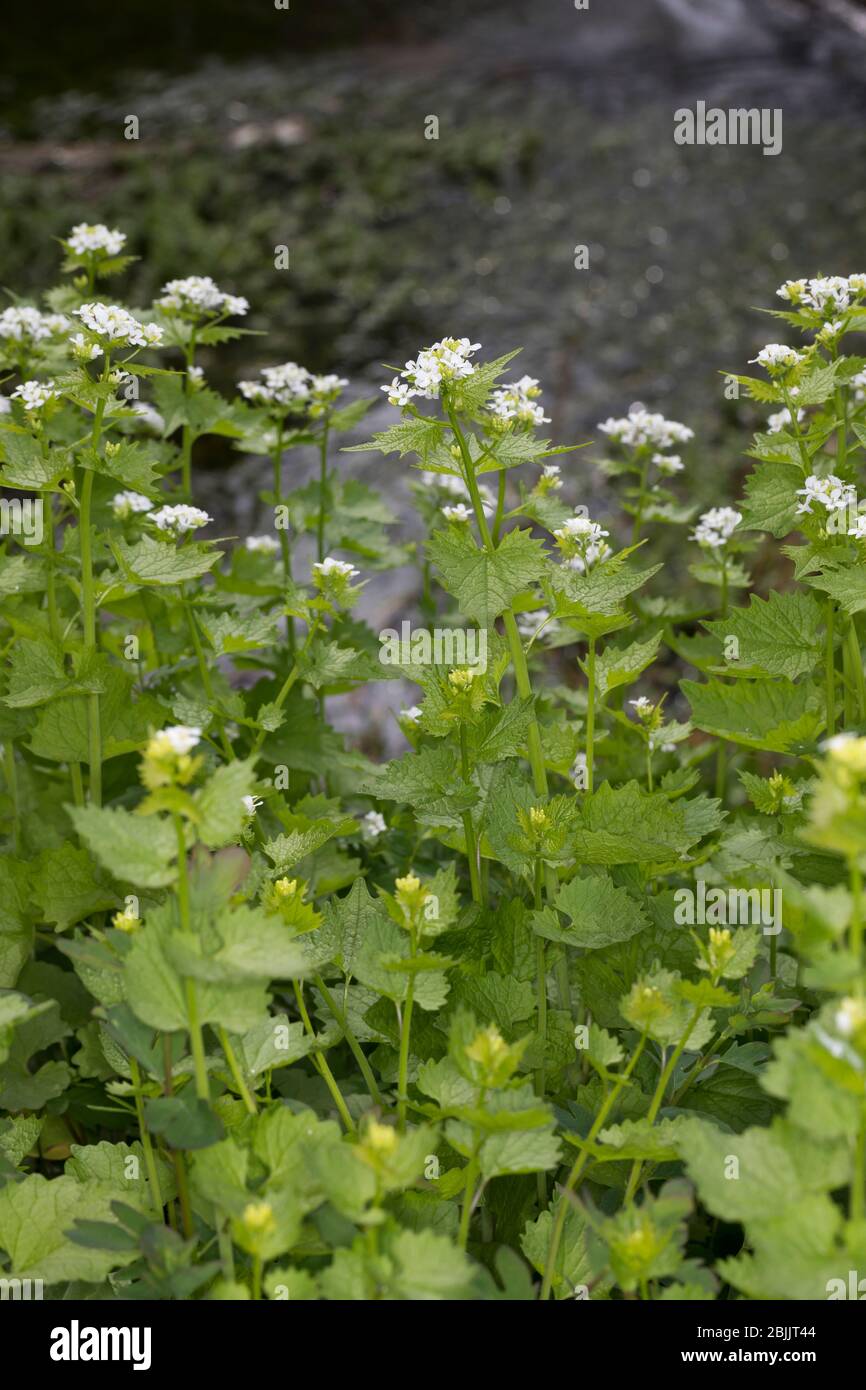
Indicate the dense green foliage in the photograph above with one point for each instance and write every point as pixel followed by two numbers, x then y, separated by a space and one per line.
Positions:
pixel 567 1000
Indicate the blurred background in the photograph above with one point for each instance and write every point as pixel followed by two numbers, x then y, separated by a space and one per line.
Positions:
pixel 305 127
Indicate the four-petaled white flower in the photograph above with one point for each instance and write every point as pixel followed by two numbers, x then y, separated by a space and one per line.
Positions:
pixel 199 295
pixel 643 428
pixel 177 738
pixel 583 543
pixel 459 513
pixel 781 418
pixel 830 493
pixel 117 327
pixel 413 714
pixel 179 519
pixel 86 239
pixel 373 825
pixel 33 395
pixel 777 357
pixel 21 323
pixel 439 365
pixel 125 504
pixel 265 545
pixel 287 385
pixel 825 294
pixel 517 403
pixel 251 804
pixel 329 566
pixel 715 527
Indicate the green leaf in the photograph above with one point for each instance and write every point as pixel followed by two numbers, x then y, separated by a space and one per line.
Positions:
pixel 36 1216
pixel 599 914
pixel 219 805
pixel 779 635
pixel 149 561
pixel 573 1265
pixel 618 666
pixel 773 715
pixel 484 583
pixel 626 825
pixel 135 849
pixel 771 499
pixel 185 1121
pixel 68 886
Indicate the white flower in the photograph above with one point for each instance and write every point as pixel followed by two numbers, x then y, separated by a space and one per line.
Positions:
pixel 850 1016
pixel 373 825
pixel 583 543
pixel 329 566
pixel 124 504
pixel 792 290
pixel 5 406
pixel 641 428
pixel 439 365
pixel 287 385
pixel 715 527
pixel 579 771
pixel 413 713
pixel 668 464
pixel 459 513
pixel 398 393
pixel 551 479
pixel 198 294
pixel 84 239
pixel 830 492
pixel 517 403
pixel 642 705
pixel 82 349
pixel 528 624
pixel 117 327
pixel 266 545
pixel 859 384
pixel 23 324
pixel 178 738
pixel 781 418
pixel 777 355
pixel 858 530
pixel 179 519
pixel 196 375
pixel 148 416
pixel 33 395
pixel 251 804
pixel 328 385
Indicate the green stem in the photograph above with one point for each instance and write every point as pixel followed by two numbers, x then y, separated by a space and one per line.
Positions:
pixel 468 825
pixel 257 1277
pixel 282 531
pixel 149 1157
pixel 77 783
pixel 50 560
pixel 204 673
pixel 237 1075
pixel 356 1049
pixel 641 503
pixel 658 1097
pixel 285 689
pixel 858 1176
pixel 856 658
pixel 11 771
pixel 500 506
pixel 323 487
pixel 830 668
pixel 88 601
pixel 405 1032
pixel 471 1178
pixel 186 438
pixel 590 714
pixel 577 1169
pixel 855 932
pixel 194 1026
pixel 322 1065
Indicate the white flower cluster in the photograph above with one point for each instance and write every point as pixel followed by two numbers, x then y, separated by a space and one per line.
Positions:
pixel 199 295
pixel 265 545
pixel 448 484
pixel 177 738
pixel 180 519
pixel 287 385
pixel 668 464
pixel 373 825
pixel 830 493
pixel 341 569
pixel 641 428
pixel 859 384
pixel 433 368
pixel 126 504
pixel 86 239
pixel 33 395
pixel 826 294
pixel 777 357
pixel 715 527
pixel 23 324
pixel 782 418
pixel 583 543
pixel 516 403
pixel 117 327
pixel 251 804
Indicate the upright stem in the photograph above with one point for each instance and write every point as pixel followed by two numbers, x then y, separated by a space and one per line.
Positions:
pixel 641 503
pixel 149 1158
pixel 830 667
pixel 285 689
pixel 658 1097
pixel 323 488
pixel 855 932
pixel 500 505
pixel 11 771
pixel 471 1179
pixel 204 672
pixel 578 1167
pixel 405 1032
pixel 186 437
pixel 590 714
pixel 237 1075
pixel 541 1005
pixel 856 661
pixel 322 1065
pixel 88 603
pixel 195 1034
pixel 355 1047
pixel 50 557
pixel 468 825
pixel 285 545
